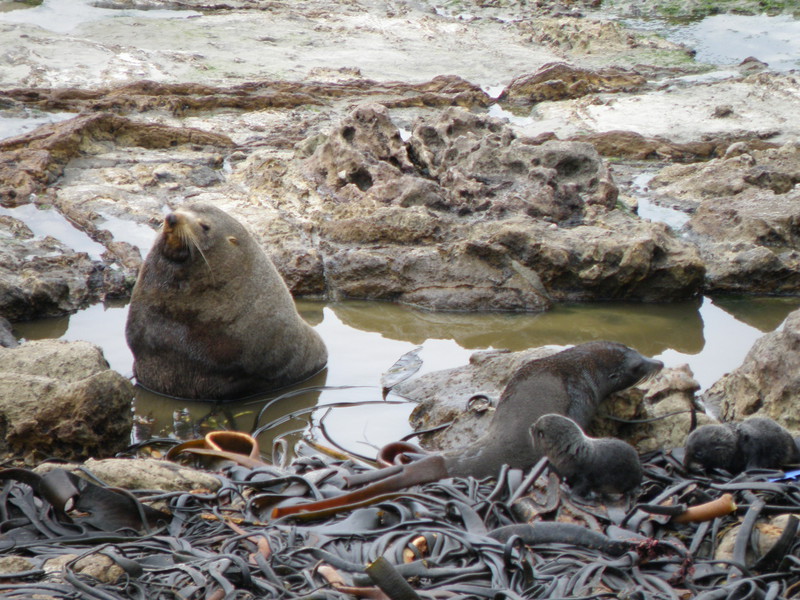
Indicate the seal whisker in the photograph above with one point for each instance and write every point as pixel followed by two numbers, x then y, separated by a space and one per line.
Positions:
pixel 187 235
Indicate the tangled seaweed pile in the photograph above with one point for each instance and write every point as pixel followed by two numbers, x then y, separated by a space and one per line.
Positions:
pixel 437 541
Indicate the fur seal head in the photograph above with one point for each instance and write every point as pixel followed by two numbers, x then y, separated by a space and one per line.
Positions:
pixel 602 465
pixel 211 318
pixel 755 443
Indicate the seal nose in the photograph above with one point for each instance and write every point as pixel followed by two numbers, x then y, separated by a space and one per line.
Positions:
pixel 171 220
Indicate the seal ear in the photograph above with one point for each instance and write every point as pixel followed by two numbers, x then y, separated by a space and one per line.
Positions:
pixel 233 240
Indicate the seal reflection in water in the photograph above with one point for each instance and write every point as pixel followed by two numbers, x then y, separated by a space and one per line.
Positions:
pixel 602 465
pixel 211 318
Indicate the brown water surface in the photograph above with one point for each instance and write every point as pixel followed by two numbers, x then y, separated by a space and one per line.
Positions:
pixel 366 338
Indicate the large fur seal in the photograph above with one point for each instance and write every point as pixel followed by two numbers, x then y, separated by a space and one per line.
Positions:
pixel 571 383
pixel 755 443
pixel 602 465
pixel 210 317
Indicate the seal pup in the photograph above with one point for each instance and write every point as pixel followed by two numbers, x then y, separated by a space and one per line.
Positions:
pixel 210 316
pixel 571 383
pixel 603 465
pixel 755 443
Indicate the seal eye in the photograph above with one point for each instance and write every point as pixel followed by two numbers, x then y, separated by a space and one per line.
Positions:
pixel 205 226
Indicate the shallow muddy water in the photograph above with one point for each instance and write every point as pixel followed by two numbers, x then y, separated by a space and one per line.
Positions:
pixel 365 338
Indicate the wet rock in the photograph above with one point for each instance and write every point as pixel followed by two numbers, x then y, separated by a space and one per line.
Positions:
pixel 141 474
pixel 41 277
pixel 745 224
pixel 31 161
pixel 7 339
pixel 560 81
pixel 767 382
pixel 97 566
pixel 60 399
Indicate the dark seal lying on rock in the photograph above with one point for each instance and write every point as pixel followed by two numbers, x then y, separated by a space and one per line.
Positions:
pixel 571 382
pixel 211 318
pixel 755 443
pixel 602 465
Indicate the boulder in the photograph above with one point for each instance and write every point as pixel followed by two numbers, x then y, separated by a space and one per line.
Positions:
pixel 466 216
pixel 59 399
pixel 141 474
pixel 767 383
pixel 459 162
pixel 560 81
pixel 746 220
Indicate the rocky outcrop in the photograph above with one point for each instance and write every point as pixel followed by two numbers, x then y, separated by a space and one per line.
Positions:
pixel 466 216
pixel 60 400
pixel 767 383
pixel 746 220
pixel 30 162
pixel 42 277
pixel 560 81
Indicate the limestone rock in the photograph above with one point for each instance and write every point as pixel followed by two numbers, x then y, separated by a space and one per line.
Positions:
pixel 768 381
pixel 745 223
pixel 443 396
pixel 42 277
pixel 141 474
pixel 60 399
pixel 97 566
pixel 459 162
pixel 560 81
pixel 7 339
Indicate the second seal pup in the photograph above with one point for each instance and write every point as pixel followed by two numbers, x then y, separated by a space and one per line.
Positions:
pixel 603 465
pixel 755 443
pixel 211 318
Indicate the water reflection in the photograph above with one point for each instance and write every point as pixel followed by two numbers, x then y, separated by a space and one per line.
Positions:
pixel 366 338
pixel 64 16
pixel 44 221
pixel 728 39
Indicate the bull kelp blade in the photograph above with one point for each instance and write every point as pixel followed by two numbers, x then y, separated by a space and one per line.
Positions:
pixel 393 584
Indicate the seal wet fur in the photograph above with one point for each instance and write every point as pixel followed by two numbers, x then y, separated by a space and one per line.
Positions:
pixel 571 383
pixel 211 318
pixel 755 443
pixel 603 465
